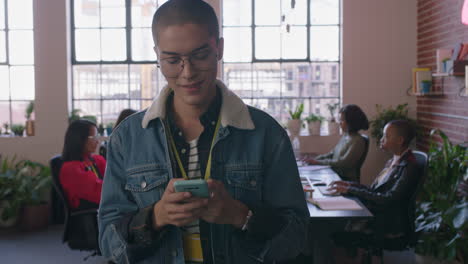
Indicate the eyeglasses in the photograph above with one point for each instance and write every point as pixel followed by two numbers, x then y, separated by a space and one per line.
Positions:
pixel 96 137
pixel 204 60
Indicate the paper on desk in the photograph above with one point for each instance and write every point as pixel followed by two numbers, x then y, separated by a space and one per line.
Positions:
pixel 335 203
pixel 325 190
pixel 313 168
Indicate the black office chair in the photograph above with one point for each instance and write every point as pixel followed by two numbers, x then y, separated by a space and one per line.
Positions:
pixel 364 155
pixel 81 229
pixel 376 243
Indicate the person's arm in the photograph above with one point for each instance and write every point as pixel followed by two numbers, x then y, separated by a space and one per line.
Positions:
pixel 125 231
pixel 353 152
pixel 85 183
pixel 401 189
pixel 283 198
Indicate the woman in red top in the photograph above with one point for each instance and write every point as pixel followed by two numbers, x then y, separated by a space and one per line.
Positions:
pixel 82 171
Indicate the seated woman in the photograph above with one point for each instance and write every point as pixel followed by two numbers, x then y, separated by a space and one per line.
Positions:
pixel 82 171
pixel 389 196
pixel 345 157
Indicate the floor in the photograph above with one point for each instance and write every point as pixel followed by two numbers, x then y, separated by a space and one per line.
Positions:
pixel 45 247
pixel 41 247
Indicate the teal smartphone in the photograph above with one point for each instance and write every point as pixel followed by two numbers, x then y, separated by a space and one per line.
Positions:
pixel 198 188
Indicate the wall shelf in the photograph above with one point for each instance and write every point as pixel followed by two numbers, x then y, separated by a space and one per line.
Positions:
pixel 445 74
pixel 428 94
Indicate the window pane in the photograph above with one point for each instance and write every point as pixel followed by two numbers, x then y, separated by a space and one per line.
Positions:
pixel 86 82
pixel 114 81
pixel 111 110
pixel 238 77
pixel 267 43
pixel 142 12
pixel 4 114
pixel 267 79
pixel 140 104
pixel 18 109
pixel 294 43
pixel 237 12
pixel 22 82
pixel 21 47
pixel 237 44
pixel 114 45
pixel 324 43
pixel 2 47
pixel 296 15
pixel 89 107
pixel 2 15
pixel 87 45
pixel 113 13
pixel 5 83
pixel 296 80
pixel 144 81
pixel 267 12
pixel 86 13
pixel 20 14
pixel 324 12
pixel 142 45
pixel 319 106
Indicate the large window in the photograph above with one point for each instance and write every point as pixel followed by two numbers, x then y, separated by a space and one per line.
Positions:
pixel 16 61
pixel 113 59
pixel 281 53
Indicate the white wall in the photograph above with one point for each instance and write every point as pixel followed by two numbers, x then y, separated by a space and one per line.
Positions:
pixel 379 50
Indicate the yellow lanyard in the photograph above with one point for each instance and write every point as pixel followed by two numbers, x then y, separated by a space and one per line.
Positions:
pixel 94 170
pixel 179 161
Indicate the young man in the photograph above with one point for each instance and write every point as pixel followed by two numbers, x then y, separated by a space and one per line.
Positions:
pixel 389 196
pixel 198 129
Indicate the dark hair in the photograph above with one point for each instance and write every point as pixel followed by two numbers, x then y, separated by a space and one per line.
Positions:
pixel 124 114
pixel 404 129
pixel 75 139
pixel 179 12
pixel 355 118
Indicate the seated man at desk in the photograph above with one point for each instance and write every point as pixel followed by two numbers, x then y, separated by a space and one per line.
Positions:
pixel 388 197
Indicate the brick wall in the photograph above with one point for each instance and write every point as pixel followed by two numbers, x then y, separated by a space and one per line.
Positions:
pixel 439 26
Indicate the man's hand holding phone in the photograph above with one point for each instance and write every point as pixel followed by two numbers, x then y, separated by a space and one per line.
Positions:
pixel 177 208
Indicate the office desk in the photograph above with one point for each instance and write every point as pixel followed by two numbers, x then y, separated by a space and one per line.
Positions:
pixel 328 175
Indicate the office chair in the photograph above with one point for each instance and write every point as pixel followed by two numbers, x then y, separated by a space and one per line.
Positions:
pixel 364 155
pixel 377 243
pixel 81 230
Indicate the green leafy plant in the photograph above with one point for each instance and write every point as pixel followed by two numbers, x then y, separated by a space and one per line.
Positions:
pixel 385 115
pixel 314 118
pixel 442 220
pixel 297 113
pixel 74 115
pixel 17 129
pixel 29 110
pixel 332 110
pixel 22 183
pixel 90 118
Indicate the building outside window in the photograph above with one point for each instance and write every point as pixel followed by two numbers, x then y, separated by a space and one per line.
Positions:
pixel 17 87
pixel 283 52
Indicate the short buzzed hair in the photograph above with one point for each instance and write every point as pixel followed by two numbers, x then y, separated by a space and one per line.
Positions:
pixel 404 129
pixel 179 12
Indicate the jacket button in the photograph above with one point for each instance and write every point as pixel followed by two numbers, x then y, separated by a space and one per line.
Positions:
pixel 183 151
pixel 143 184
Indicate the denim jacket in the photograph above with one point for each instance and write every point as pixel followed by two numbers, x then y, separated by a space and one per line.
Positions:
pixel 252 157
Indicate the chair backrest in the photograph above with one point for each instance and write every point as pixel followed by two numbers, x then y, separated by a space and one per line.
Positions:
pixel 422 162
pixel 55 166
pixel 364 155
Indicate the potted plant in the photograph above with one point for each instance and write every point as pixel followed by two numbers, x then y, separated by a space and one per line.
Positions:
pixel 385 115
pixel 74 115
pixel 35 184
pixel 441 212
pixel 5 129
pixel 333 126
pixel 29 121
pixel 91 118
pixel 426 86
pixel 9 186
pixel 294 124
pixel 17 129
pixel 109 127
pixel 314 123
